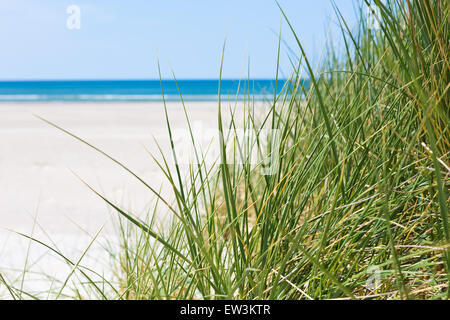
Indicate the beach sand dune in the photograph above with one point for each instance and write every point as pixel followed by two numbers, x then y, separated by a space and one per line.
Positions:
pixel 37 181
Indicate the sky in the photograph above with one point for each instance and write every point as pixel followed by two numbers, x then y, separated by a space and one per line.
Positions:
pixel 123 39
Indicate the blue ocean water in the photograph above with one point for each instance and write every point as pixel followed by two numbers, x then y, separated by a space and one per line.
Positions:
pixel 135 90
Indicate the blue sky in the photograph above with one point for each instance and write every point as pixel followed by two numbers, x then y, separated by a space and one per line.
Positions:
pixel 121 39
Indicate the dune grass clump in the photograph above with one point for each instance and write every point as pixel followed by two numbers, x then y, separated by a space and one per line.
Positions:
pixel 357 205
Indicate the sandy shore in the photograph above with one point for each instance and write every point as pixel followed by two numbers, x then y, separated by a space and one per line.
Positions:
pixel 36 179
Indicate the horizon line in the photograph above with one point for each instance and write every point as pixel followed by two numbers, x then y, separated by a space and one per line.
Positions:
pixel 149 79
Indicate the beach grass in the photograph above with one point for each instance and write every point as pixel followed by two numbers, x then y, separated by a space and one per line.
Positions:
pixel 356 206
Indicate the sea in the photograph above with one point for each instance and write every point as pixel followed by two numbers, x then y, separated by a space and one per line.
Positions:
pixel 137 90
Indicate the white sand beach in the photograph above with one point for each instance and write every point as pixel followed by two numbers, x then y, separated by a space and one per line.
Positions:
pixel 37 166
